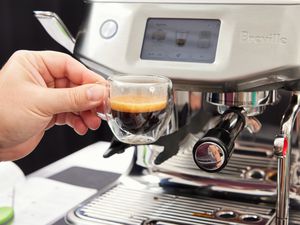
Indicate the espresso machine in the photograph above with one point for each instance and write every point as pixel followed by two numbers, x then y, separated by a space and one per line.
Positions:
pixel 229 61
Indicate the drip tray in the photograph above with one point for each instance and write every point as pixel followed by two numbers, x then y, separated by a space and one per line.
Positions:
pixel 127 205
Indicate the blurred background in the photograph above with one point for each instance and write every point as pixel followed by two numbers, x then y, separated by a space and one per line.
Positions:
pixel 20 30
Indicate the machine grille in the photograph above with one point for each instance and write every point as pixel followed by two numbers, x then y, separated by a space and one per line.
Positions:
pixel 294 217
pixel 131 206
pixel 238 166
pixel 256 164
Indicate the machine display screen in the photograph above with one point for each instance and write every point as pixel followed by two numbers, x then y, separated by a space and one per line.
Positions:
pixel 182 40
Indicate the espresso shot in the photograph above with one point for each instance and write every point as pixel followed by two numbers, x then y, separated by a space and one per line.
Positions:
pixel 138 114
pixel 138 108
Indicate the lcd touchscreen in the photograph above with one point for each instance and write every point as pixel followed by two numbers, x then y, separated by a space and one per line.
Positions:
pixel 182 40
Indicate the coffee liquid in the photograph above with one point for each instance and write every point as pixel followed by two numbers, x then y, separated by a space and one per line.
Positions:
pixel 138 114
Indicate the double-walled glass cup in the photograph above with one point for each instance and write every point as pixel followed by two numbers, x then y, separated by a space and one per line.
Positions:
pixel 138 107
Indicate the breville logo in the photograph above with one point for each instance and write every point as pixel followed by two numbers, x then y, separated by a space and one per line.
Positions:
pixel 271 38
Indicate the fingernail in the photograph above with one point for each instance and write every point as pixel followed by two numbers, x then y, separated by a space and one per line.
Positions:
pixel 95 93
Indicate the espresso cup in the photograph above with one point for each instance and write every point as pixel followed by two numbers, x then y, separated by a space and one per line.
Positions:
pixel 137 107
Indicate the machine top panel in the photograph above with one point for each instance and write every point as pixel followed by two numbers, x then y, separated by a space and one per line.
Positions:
pixel 238 2
pixel 201 45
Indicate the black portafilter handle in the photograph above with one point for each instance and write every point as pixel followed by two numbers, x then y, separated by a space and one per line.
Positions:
pixel 213 151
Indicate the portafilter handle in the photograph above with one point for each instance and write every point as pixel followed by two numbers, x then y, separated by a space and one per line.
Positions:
pixel 213 151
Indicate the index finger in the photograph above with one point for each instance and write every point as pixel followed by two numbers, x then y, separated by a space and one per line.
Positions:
pixel 57 65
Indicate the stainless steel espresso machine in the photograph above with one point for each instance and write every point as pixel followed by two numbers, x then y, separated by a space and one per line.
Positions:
pixel 228 60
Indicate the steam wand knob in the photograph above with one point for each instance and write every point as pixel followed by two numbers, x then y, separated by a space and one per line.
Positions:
pixel 213 151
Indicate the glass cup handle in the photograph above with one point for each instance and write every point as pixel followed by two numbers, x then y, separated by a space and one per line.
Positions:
pixel 105 104
pixel 102 116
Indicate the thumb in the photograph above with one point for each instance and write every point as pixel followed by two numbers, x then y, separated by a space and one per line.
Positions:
pixel 75 99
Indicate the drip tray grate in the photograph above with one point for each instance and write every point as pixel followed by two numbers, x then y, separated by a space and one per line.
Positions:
pixel 150 206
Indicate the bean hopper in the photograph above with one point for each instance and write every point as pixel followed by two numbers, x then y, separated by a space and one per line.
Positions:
pixel 229 61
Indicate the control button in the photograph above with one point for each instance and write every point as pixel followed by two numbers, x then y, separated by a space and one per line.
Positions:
pixel 204 39
pixel 178 56
pixel 158 35
pixel 108 29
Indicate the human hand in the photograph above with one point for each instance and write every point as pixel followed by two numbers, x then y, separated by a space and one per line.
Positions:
pixel 39 90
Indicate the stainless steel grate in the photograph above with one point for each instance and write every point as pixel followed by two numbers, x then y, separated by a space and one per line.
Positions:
pixel 237 166
pixel 294 217
pixel 256 167
pixel 132 206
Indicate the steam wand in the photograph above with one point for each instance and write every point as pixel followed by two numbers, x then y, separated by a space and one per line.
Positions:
pixel 283 148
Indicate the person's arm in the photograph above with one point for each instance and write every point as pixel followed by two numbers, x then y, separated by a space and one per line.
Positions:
pixel 39 90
